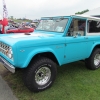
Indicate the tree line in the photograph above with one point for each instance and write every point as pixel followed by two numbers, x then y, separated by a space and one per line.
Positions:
pixel 82 12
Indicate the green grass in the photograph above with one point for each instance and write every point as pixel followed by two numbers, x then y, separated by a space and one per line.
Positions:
pixel 74 82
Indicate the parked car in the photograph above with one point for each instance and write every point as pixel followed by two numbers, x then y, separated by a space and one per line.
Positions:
pixel 55 42
pixel 20 30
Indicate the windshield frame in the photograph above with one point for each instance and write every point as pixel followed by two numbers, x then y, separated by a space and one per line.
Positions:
pixel 55 19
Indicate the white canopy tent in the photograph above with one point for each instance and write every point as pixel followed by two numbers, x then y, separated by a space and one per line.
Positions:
pixel 95 12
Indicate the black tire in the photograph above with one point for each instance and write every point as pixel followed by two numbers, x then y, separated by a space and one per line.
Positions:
pixel 11 32
pixel 35 72
pixel 93 62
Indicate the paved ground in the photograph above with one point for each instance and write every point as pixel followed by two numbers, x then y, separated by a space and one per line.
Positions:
pixel 5 91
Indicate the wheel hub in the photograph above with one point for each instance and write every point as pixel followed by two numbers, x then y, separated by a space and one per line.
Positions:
pixel 97 60
pixel 43 75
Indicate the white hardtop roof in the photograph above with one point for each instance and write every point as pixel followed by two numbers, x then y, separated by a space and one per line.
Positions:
pixel 88 17
pixel 79 16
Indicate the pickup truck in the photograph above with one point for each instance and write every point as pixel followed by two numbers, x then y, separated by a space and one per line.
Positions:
pixel 56 41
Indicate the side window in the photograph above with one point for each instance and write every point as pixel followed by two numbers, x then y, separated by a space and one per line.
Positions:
pixel 77 27
pixel 93 26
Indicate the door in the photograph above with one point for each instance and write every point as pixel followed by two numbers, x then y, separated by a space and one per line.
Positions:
pixel 76 41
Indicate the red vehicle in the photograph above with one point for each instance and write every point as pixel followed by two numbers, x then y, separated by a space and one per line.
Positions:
pixel 4 23
pixel 21 30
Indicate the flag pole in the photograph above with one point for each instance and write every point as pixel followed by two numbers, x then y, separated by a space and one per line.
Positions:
pixel 5 17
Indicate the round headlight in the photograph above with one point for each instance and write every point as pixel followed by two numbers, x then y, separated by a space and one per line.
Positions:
pixel 10 53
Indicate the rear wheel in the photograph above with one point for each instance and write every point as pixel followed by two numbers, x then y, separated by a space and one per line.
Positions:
pixel 93 62
pixel 40 75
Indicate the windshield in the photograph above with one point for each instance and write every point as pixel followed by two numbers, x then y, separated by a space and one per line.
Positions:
pixel 54 25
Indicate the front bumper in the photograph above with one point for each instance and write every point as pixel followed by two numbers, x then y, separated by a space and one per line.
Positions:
pixel 7 65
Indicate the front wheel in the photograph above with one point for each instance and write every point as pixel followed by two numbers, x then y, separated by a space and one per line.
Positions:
pixel 93 62
pixel 40 75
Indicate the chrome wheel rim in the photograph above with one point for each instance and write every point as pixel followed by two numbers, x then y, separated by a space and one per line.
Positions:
pixel 43 75
pixel 97 60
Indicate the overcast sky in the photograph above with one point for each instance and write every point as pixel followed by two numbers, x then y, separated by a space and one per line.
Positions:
pixel 35 9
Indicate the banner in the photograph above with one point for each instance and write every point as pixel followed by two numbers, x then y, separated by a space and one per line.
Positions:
pixel 5 12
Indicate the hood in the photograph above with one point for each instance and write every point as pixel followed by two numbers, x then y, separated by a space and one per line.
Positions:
pixel 31 38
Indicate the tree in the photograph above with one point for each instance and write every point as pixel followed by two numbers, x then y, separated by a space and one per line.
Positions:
pixel 82 12
pixel 11 17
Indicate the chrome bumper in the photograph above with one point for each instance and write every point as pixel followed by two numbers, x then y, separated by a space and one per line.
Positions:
pixel 7 65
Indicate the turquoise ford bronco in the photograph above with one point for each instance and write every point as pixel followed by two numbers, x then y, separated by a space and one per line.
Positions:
pixel 55 42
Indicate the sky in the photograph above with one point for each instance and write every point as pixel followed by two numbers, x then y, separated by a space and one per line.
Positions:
pixel 35 9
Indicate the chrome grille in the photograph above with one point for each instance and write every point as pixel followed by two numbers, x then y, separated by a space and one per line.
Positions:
pixel 4 48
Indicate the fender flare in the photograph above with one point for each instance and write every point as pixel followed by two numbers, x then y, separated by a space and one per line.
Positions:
pixel 37 51
pixel 95 45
